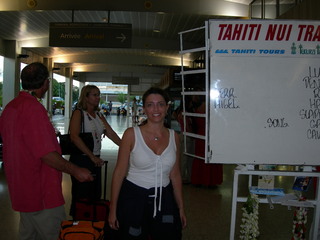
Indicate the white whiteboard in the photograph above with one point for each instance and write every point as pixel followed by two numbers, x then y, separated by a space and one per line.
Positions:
pixel 271 111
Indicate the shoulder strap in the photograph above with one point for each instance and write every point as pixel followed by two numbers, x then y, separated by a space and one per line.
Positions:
pixel 82 119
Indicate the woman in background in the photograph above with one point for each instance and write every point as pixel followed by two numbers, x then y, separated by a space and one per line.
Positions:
pixel 94 122
pixel 203 174
pixel 186 161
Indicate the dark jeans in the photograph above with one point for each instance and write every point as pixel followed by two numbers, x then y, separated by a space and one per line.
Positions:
pixel 135 214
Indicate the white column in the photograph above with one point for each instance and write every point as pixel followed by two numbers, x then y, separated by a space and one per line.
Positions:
pixel 82 81
pixel 47 100
pixel 11 72
pixel 128 100
pixel 68 93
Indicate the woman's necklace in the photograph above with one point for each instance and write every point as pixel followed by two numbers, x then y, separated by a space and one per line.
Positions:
pixel 156 138
pixel 152 136
pixel 94 128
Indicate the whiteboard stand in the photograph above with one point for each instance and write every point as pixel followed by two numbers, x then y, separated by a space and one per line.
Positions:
pixel 235 199
pixel 307 168
pixel 245 167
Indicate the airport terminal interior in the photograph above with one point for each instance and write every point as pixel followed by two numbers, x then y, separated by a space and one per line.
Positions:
pixel 151 58
pixel 208 209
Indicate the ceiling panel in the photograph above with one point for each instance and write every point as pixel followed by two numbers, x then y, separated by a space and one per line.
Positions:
pixel 155 34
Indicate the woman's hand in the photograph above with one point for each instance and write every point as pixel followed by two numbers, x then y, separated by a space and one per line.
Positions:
pixel 183 219
pixel 112 220
pixel 98 162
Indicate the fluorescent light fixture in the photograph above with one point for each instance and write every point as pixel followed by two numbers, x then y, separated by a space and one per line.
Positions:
pixel 247 2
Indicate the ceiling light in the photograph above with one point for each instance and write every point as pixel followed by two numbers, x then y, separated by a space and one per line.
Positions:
pixel 247 2
pixel 31 3
pixel 148 4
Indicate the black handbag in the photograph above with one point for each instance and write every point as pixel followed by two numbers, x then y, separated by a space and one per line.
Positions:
pixel 68 147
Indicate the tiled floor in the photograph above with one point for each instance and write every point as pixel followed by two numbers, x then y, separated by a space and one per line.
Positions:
pixel 208 209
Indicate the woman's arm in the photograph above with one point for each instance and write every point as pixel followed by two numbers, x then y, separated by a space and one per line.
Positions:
pixel 175 177
pixel 110 133
pixel 119 174
pixel 75 129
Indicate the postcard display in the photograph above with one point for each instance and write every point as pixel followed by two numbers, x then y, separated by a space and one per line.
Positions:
pixel 265 97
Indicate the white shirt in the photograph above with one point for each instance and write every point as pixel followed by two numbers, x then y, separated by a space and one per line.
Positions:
pixel 147 169
pixel 95 126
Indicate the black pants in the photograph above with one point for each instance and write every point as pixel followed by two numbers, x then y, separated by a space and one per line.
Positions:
pixel 135 214
pixel 85 190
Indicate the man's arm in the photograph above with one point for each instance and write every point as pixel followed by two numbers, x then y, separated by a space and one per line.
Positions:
pixel 55 160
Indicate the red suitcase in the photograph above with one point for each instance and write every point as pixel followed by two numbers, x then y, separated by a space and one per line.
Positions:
pixel 89 210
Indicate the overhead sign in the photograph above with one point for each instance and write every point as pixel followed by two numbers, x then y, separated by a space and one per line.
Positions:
pixel 97 35
pixel 125 80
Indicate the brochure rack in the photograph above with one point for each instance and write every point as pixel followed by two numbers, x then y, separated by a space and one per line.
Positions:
pixel 250 173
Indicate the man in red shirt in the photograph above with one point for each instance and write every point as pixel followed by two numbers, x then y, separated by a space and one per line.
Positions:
pixel 32 159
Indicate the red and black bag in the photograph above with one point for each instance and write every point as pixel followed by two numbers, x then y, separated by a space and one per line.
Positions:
pixel 93 210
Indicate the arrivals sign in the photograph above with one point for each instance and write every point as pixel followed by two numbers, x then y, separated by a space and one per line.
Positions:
pixel 97 35
pixel 265 38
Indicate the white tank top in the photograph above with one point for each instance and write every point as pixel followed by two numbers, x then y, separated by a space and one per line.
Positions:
pixel 95 126
pixel 147 169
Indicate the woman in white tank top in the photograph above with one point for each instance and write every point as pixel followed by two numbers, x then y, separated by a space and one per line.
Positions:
pixel 146 191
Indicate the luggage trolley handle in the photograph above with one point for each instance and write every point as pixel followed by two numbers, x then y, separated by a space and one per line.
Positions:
pixel 105 179
pixel 105 186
